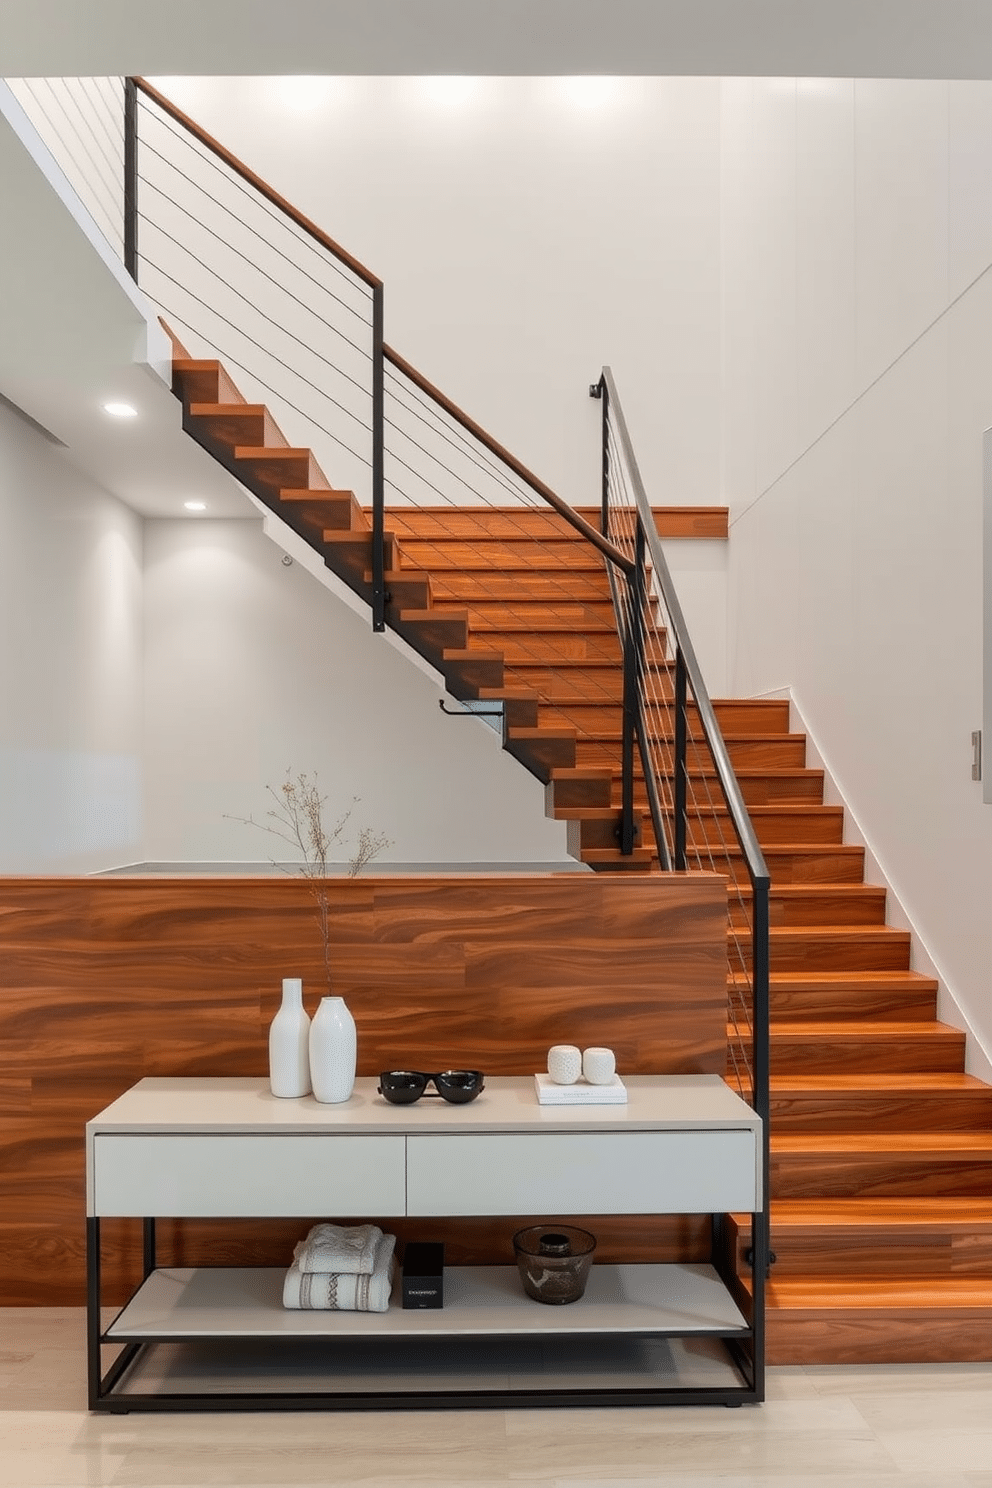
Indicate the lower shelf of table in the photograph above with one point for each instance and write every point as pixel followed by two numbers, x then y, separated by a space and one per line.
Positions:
pixel 514 1369
pixel 480 1301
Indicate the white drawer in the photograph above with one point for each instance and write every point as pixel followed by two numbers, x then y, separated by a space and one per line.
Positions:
pixel 214 1176
pixel 669 1172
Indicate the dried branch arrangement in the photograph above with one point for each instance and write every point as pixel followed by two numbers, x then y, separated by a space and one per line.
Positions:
pixel 298 818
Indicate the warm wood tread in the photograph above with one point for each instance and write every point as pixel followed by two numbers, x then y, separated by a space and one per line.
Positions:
pixel 881 1141
pixel 941 1081
pixel 917 1212
pixel 858 1294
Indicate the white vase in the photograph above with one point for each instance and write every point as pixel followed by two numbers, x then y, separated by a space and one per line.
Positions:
pixel 333 1051
pixel 289 1043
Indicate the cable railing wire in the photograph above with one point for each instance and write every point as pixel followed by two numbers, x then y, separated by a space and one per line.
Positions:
pixel 227 173
pixel 338 371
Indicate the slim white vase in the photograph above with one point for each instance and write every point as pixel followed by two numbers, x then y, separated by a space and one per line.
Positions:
pixel 289 1043
pixel 333 1051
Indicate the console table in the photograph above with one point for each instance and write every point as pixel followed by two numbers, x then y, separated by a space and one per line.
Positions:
pixel 216 1338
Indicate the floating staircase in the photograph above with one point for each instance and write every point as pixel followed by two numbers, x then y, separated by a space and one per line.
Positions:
pixel 881 1144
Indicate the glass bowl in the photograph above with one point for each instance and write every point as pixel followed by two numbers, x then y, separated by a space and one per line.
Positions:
pixel 554 1261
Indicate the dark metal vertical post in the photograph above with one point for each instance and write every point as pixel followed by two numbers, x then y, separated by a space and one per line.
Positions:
pixel 148 1245
pixel 605 500
pixel 131 177
pixel 633 666
pixel 378 465
pixel 760 1237
pixel 681 747
pixel 94 1326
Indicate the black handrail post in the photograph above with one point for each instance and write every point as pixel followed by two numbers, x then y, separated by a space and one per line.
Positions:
pixel 761 1253
pixel 131 177
pixel 378 464
pixel 681 747
pixel 599 390
pixel 633 668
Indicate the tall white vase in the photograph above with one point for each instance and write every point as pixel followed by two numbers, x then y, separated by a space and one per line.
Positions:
pixel 333 1051
pixel 289 1043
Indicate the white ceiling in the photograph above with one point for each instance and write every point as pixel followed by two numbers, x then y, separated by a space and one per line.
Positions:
pixel 760 38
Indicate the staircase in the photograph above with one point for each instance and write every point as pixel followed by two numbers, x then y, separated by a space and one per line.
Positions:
pixel 881 1145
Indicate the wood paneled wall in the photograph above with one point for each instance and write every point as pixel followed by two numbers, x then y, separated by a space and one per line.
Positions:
pixel 105 980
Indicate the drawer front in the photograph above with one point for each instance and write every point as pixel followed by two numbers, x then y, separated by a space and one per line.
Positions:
pixel 671 1172
pixel 210 1176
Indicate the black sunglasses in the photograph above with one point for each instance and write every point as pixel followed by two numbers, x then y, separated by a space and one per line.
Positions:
pixel 403 1087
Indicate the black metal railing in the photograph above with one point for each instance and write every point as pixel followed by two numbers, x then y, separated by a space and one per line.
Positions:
pixel 698 816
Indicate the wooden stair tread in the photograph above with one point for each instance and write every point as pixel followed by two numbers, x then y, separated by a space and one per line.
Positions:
pixel 831 1142
pixel 866 1293
pixel 813 981
pixel 875 1029
pixel 918 1212
pixel 879 1081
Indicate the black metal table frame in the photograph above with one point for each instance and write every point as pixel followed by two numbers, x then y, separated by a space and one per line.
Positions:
pixel 104 1394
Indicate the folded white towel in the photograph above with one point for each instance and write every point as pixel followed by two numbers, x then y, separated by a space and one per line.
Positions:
pixel 345 1250
pixel 332 1292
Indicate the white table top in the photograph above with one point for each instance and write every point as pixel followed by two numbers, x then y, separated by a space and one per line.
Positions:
pixel 507 1104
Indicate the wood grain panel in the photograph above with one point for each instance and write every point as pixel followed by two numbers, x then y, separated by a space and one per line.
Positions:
pixel 105 980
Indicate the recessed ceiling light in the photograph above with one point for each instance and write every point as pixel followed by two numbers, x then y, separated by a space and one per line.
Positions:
pixel 195 505
pixel 120 410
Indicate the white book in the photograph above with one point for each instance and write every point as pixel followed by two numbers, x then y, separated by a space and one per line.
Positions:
pixel 581 1093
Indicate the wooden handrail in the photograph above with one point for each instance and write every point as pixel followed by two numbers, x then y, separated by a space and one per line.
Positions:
pixel 262 187
pixel 590 533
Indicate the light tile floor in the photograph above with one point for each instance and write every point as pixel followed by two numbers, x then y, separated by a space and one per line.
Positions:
pixel 878 1426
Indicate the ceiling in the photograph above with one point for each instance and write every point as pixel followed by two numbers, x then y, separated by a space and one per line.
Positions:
pixel 759 38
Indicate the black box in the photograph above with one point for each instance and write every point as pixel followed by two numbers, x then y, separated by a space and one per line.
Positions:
pixel 423 1274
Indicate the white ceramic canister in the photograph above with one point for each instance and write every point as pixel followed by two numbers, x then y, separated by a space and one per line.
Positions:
pixel 564 1063
pixel 289 1043
pixel 599 1066
pixel 333 1051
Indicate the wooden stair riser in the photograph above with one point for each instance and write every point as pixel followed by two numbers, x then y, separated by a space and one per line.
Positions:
pixel 930 1334
pixel 781 788
pixel 471 523
pixel 799 905
pixel 883 995
pixel 238 424
pixel 279 469
pixel 349 555
pixel 833 948
pixel 851 1049
pixel 600 830
pixel 202 381
pixel 542 750
pixel 612 860
pixel 524 585
pixel 785 751
pixel 882 1175
pixel 930 1244
pixel 547 618
pixel 520 710
pixel 432 634
pixel 468 672
pixel 513 554
pixel 797 1108
pixel 312 513
pixel 578 788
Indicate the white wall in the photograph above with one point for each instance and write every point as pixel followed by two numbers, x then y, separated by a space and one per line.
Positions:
pixel 528 230
pixel 858 381
pixel 253 668
pixel 70 665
